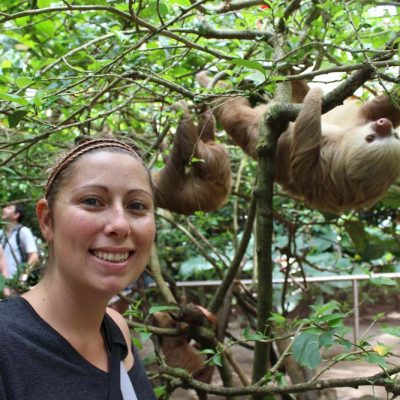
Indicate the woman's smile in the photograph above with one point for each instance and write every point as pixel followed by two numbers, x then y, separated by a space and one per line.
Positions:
pixel 116 257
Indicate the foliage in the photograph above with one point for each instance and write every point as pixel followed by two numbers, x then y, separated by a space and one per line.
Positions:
pixel 93 67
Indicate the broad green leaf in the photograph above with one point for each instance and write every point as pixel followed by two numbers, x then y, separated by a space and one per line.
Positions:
pixel 23 81
pixel 216 360
pixel 306 350
pixel 153 8
pixel 6 64
pixel 14 99
pixel 333 320
pixel 15 118
pixel 356 231
pixel 249 64
pixel 374 358
pixel 46 27
pixel 391 330
pixel 326 339
pixel 44 3
pixel 277 319
pixel 326 308
pixel 383 281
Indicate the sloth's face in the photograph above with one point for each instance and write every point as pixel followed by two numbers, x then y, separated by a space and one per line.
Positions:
pixel 372 150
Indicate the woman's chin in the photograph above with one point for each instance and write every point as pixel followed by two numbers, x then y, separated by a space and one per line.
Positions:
pixel 112 286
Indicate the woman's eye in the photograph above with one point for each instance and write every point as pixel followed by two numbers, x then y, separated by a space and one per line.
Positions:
pixel 137 206
pixel 91 201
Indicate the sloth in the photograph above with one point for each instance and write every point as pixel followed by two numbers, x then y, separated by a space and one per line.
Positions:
pixel 179 353
pixel 345 159
pixel 197 174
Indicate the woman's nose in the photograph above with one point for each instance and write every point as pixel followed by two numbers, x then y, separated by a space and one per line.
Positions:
pixel 118 222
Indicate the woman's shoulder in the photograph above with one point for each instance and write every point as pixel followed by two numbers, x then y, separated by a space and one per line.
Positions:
pixel 12 306
pixel 121 323
pixel 14 318
pixel 14 310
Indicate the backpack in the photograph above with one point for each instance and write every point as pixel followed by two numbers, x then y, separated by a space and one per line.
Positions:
pixel 24 255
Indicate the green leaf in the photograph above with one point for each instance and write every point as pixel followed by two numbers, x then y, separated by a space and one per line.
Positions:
pixel 374 358
pixel 306 350
pixel 153 8
pixel 15 118
pixel 277 319
pixel 326 309
pixel 216 360
pixel 326 339
pixel 43 3
pixel 391 330
pixel 160 391
pixel 144 336
pixel 249 64
pixel 207 351
pixel 14 99
pixel 356 231
pixel 333 320
pixel 383 281
pixel 254 336
pixel 47 28
pixel 2 283
pixel 155 309
pixel 137 343
pixel 23 81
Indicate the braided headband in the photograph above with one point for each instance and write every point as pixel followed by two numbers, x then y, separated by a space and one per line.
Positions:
pixel 83 148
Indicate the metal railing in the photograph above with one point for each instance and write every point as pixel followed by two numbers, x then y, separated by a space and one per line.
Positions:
pixel 313 279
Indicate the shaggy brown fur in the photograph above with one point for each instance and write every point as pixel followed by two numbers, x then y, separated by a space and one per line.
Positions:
pixel 197 174
pixel 346 159
pixel 179 353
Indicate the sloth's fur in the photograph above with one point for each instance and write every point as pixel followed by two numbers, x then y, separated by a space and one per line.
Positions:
pixel 345 159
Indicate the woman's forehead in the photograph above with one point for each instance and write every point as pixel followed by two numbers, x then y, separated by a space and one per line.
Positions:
pixel 109 166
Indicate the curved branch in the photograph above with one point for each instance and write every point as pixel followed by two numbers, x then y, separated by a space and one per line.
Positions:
pixel 380 379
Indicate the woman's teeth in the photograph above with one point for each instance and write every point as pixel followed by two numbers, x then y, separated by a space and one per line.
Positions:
pixel 113 257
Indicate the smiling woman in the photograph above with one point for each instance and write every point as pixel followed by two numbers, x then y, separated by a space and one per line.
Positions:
pixel 98 219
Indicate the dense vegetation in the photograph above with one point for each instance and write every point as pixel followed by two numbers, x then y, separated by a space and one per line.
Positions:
pixel 81 67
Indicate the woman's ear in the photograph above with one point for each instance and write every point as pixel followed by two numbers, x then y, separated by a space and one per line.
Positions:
pixel 44 218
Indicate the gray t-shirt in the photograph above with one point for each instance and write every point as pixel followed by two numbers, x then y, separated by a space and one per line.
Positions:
pixel 37 363
pixel 11 250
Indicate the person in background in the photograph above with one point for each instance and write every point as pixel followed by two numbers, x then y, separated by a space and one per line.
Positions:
pixel 60 340
pixel 18 242
pixel 3 265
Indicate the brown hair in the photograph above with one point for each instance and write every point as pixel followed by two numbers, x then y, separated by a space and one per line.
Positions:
pixel 58 172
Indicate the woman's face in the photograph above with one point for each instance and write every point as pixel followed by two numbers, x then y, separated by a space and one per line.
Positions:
pixel 101 227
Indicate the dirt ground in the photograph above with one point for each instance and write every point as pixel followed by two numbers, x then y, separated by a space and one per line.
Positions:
pixel 340 370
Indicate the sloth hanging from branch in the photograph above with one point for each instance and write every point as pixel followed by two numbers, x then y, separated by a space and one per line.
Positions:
pixel 345 159
pixel 197 174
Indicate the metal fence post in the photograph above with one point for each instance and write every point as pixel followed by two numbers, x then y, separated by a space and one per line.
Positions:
pixel 356 311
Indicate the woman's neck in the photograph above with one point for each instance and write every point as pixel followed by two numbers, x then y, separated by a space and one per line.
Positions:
pixel 66 309
pixel 76 318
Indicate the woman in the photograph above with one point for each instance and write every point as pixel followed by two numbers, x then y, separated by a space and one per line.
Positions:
pixel 59 340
